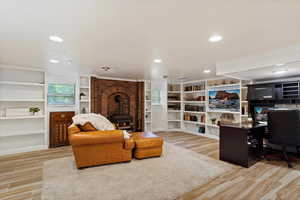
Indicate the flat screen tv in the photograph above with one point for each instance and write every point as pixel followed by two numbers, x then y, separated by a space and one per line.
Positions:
pixel 224 100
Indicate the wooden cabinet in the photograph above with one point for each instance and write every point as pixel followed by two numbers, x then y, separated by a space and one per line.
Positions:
pixel 59 123
pixel 241 144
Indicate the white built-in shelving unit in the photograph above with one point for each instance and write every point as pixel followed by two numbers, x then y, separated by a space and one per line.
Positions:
pixel 174 106
pixel 194 115
pixel 213 116
pixel 21 89
pixel 244 100
pixel 194 106
pixel 147 106
pixel 85 88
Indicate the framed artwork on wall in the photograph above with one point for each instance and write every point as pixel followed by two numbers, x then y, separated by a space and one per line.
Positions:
pixel 224 100
pixel 61 94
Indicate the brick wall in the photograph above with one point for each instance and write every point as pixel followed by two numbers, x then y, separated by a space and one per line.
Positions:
pixel 102 89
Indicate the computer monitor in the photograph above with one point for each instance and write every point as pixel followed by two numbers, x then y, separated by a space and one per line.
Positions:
pixel 261 113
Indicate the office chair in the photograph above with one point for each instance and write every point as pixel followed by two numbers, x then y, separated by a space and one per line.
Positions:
pixel 284 126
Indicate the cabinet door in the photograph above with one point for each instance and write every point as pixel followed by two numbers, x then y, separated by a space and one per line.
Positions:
pixel 261 92
pixel 59 123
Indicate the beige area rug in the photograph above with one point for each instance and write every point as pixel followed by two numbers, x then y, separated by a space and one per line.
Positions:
pixel 178 171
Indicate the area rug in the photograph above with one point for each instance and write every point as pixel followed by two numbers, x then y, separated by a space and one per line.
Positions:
pixel 178 171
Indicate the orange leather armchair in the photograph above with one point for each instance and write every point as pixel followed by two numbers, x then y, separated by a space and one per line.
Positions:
pixel 99 147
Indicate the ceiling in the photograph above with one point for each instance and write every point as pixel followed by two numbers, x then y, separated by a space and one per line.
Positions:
pixel 128 34
pixel 269 72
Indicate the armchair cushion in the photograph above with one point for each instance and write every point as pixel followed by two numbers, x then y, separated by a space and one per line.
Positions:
pixel 73 129
pixel 96 137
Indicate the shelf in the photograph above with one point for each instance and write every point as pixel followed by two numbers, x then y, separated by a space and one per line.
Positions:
pixel 193 122
pixel 244 101
pixel 196 91
pixel 148 122
pixel 174 120
pixel 224 112
pixel 194 112
pixel 16 133
pixel 174 111
pixel 176 92
pixel 225 85
pixel 245 115
pixel 174 101
pixel 195 102
pixel 23 100
pixel 23 117
pixel 23 131
pixel 295 86
pixel 84 101
pixel 84 87
pixel 213 125
pixel 21 83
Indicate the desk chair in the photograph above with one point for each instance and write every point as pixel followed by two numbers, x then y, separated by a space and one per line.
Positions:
pixel 284 126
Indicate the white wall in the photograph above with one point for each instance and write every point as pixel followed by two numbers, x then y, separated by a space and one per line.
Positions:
pixel 159 112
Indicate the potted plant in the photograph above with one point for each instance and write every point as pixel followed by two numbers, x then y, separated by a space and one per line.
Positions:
pixel 34 110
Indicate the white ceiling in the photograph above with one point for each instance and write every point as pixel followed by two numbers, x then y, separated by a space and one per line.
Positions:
pixel 267 73
pixel 128 34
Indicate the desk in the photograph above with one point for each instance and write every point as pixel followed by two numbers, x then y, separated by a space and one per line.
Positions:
pixel 241 144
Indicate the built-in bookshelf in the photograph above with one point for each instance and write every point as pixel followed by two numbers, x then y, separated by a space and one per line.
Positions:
pixel 244 101
pixel 147 106
pixel 194 106
pixel 20 90
pixel 174 105
pixel 215 115
pixel 84 94
pixel 197 116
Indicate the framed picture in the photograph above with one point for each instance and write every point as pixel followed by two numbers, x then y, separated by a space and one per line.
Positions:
pixel 224 100
pixel 61 94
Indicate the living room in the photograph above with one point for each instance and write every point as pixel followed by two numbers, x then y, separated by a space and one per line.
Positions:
pixel 157 100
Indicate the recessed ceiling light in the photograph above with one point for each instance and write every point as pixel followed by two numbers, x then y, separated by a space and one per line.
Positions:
pixel 215 38
pixel 280 64
pixel 53 61
pixel 206 71
pixel 55 38
pixel 157 61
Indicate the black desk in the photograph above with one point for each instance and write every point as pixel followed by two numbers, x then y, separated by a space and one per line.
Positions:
pixel 241 144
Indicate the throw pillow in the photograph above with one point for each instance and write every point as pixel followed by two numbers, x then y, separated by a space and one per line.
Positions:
pixel 88 127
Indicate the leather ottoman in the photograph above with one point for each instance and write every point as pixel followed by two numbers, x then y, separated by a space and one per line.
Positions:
pixel 147 145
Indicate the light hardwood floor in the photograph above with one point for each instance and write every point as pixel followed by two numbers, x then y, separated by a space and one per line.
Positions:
pixel 21 174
